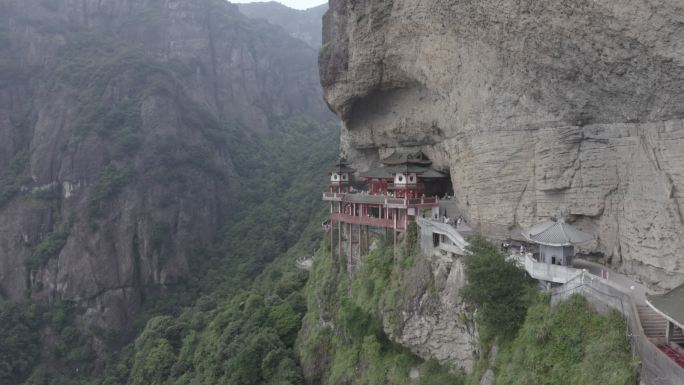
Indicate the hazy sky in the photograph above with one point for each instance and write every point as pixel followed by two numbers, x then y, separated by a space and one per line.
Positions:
pixel 299 4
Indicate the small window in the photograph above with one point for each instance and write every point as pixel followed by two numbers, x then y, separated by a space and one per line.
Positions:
pixel 411 178
pixel 400 178
pixel 344 176
pixel 334 176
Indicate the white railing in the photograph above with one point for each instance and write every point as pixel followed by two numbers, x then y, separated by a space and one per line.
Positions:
pixel 450 248
pixel 459 243
pixel 545 271
pixel 656 367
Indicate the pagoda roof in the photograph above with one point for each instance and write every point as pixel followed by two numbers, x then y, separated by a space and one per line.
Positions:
pixel 341 166
pixel 406 169
pixel 416 158
pixel 670 304
pixel 388 172
pixel 377 173
pixel 556 233
pixel 433 174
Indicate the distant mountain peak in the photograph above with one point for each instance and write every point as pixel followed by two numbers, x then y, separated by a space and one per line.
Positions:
pixel 304 24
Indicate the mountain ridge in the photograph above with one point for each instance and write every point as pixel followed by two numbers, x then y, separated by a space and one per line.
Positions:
pixel 121 121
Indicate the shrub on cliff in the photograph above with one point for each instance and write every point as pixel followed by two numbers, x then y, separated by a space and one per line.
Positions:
pixel 568 344
pixel 498 287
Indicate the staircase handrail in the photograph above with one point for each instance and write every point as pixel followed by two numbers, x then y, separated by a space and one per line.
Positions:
pixel 444 229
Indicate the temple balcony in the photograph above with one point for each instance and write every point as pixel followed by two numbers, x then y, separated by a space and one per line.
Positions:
pixel 383 200
pixel 333 197
pixel 366 220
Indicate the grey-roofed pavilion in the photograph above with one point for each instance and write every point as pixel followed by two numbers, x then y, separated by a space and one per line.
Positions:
pixel 556 240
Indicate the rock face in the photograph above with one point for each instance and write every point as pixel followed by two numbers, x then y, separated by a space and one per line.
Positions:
pixel 533 107
pixel 433 321
pixel 116 167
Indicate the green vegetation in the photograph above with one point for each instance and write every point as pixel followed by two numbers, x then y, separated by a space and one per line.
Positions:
pixel 358 351
pixel 12 71
pixel 237 317
pixel 568 344
pixel 280 204
pixel 323 51
pixel 244 341
pixel 236 320
pixel 19 341
pixel 12 177
pixel 539 344
pixel 498 287
pixel 48 248
pixel 21 348
pixel 93 63
pixel 110 183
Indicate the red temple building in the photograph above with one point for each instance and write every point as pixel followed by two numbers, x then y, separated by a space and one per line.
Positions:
pixel 402 188
pixel 340 176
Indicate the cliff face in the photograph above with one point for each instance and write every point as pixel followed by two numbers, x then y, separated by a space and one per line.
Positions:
pixel 361 326
pixel 118 122
pixel 532 106
pixel 301 24
pixel 432 319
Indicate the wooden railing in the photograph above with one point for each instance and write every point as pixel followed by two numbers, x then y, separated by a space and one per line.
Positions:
pixel 545 271
pixel 368 221
pixel 420 201
pixel 329 196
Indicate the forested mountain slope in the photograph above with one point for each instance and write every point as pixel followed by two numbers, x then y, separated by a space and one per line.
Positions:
pixel 123 126
pixel 156 157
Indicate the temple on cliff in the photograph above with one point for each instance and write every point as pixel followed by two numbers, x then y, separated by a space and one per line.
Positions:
pixel 391 196
pixel 556 240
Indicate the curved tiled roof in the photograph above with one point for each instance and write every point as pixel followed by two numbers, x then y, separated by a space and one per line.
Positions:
pixel 378 173
pixel 418 158
pixel 556 233
pixel 341 166
pixel 432 173
pixel 670 304
pixel 388 172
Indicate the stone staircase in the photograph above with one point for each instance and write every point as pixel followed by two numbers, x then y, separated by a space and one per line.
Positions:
pixel 654 325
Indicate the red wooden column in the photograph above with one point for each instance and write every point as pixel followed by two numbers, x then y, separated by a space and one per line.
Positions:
pixel 360 241
pixel 351 233
pixel 394 230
